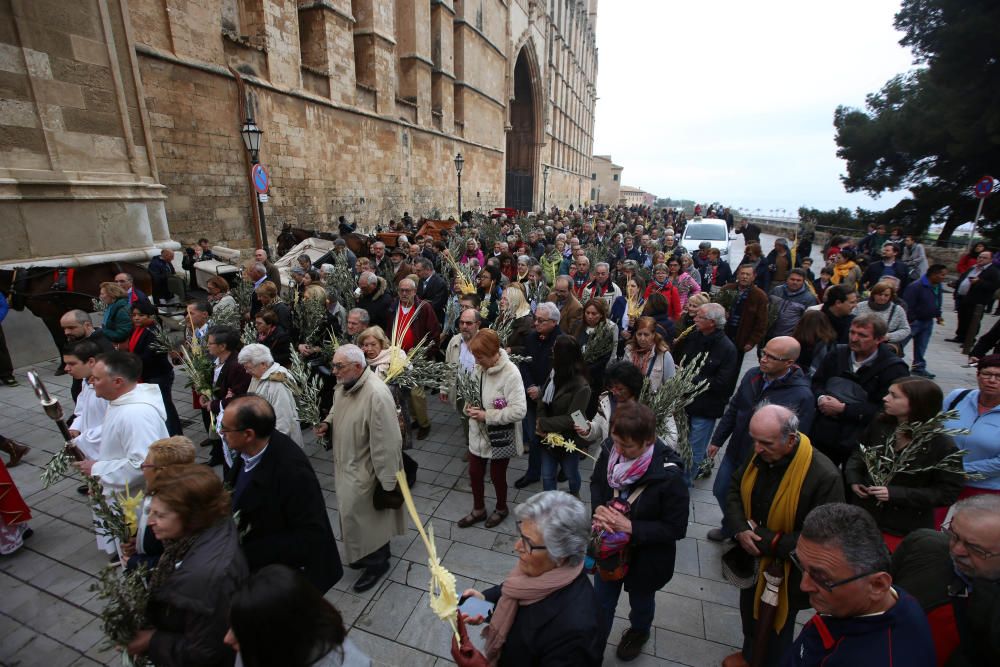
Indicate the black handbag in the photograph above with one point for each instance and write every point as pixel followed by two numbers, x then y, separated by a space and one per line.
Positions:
pixel 501 435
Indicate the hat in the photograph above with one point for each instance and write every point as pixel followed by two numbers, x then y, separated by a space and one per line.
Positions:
pixel 397 251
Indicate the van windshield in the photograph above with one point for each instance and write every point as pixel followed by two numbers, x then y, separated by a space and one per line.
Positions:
pixel 702 231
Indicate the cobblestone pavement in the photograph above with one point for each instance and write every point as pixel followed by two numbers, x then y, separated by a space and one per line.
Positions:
pixel 48 614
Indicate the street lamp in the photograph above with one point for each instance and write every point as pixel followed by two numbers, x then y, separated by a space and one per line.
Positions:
pixel 251 141
pixel 459 161
pixel 545 187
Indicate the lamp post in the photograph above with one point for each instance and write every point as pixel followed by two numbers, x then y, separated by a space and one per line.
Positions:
pixel 459 161
pixel 251 140
pixel 545 187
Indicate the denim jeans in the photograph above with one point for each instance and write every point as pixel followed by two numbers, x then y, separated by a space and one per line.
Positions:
pixel 700 434
pixel 534 471
pixel 723 480
pixel 642 605
pixel 921 331
pixel 570 463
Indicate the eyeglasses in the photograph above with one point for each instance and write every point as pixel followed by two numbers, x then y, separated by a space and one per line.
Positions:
pixel 338 365
pixel 542 320
pixel 992 377
pixel 768 355
pixel 828 586
pixel 973 549
pixel 230 430
pixel 528 544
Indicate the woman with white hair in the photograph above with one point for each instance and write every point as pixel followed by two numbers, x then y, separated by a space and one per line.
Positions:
pixel 546 612
pixel 272 382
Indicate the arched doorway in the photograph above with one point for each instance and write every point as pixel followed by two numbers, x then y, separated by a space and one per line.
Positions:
pixel 521 139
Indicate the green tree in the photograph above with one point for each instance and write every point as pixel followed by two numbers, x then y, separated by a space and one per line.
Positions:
pixel 936 129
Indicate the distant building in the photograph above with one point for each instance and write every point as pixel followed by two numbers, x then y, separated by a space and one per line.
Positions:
pixel 632 196
pixel 605 181
pixel 121 126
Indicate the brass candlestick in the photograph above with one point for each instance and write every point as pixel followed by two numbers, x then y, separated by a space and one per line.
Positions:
pixel 54 411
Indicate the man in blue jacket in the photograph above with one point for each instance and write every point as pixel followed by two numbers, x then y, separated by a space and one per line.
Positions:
pixel 861 620
pixel 776 380
pixel 923 306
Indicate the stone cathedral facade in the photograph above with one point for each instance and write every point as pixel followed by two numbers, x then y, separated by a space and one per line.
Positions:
pixel 121 119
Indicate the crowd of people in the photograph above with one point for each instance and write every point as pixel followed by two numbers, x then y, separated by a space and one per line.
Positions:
pixel 842 471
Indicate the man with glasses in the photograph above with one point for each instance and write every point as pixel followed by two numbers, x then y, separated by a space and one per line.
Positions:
pixel 367 453
pixel 133 293
pixel 861 618
pixel 776 380
pixel 769 499
pixel 955 574
pixel 569 307
pixel 229 379
pixel 411 321
pixel 535 374
pixel 458 354
pixel 275 494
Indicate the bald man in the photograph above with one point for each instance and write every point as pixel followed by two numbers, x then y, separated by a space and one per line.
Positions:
pixel 766 525
pixel 776 380
pixel 77 326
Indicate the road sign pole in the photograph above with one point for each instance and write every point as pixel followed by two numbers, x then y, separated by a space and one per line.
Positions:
pixel 975 224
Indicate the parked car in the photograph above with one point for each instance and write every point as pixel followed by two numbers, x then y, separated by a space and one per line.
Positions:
pixel 706 229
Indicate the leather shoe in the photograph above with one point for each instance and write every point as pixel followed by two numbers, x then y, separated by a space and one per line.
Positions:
pixel 524 481
pixel 370 577
pixel 956 339
pixel 423 432
pixel 83 490
pixel 630 645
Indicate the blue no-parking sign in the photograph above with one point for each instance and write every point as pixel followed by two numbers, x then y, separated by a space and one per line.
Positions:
pixel 261 180
pixel 984 187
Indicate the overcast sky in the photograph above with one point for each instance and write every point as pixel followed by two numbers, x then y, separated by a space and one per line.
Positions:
pixel 733 101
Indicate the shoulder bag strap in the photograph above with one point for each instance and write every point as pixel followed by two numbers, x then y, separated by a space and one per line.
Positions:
pixel 958 399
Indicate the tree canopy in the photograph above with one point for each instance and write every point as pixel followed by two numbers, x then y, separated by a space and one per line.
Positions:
pixel 936 129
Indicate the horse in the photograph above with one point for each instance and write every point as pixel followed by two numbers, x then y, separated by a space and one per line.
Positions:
pixel 292 236
pixel 50 291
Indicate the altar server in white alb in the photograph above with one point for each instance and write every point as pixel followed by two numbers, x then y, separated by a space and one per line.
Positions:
pixel 79 360
pixel 135 419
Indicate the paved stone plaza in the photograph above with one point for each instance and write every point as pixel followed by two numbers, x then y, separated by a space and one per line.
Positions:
pixel 48 614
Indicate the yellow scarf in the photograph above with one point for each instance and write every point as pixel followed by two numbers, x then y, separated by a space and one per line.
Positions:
pixel 841 271
pixel 780 518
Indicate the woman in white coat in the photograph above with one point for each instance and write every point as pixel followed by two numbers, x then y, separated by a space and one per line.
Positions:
pixel 495 428
pixel 272 381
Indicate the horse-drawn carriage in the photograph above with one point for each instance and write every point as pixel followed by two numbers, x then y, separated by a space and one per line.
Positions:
pixel 359 244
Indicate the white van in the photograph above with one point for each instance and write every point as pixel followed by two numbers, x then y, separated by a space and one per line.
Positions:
pixel 713 230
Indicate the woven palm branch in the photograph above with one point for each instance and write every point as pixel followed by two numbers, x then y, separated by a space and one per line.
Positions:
pixel 306 389
pixel 671 400
pixel 884 462
pixel 124 613
pixel 599 344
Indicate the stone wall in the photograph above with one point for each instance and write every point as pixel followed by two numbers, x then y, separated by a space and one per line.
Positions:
pixel 363 106
pixel 76 179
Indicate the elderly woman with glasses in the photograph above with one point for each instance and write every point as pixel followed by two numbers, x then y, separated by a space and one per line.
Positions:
pixel 272 381
pixel 144 548
pixel 545 610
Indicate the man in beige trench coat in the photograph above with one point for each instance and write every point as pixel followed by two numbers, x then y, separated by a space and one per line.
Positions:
pixel 367 450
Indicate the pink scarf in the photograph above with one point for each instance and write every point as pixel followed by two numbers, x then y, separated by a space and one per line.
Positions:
pixel 624 472
pixel 520 590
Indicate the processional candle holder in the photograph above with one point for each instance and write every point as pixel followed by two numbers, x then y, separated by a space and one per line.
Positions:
pixel 54 412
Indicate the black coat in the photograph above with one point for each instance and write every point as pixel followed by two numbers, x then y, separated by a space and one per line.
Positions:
pixel 555 417
pixel 721 369
pixel 913 497
pixel 155 363
pixel 981 292
pixel 837 436
pixel 823 484
pixel 232 377
pixel 284 515
pixel 659 516
pixel 435 290
pixel 559 631
pixel 190 611
pixel 535 370
pixel 875 270
pixel 279 343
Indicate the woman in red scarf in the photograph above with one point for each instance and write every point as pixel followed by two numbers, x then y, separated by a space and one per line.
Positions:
pixel 661 283
pixel 156 367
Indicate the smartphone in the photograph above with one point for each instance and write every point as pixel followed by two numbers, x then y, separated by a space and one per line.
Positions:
pixel 580 420
pixel 473 606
